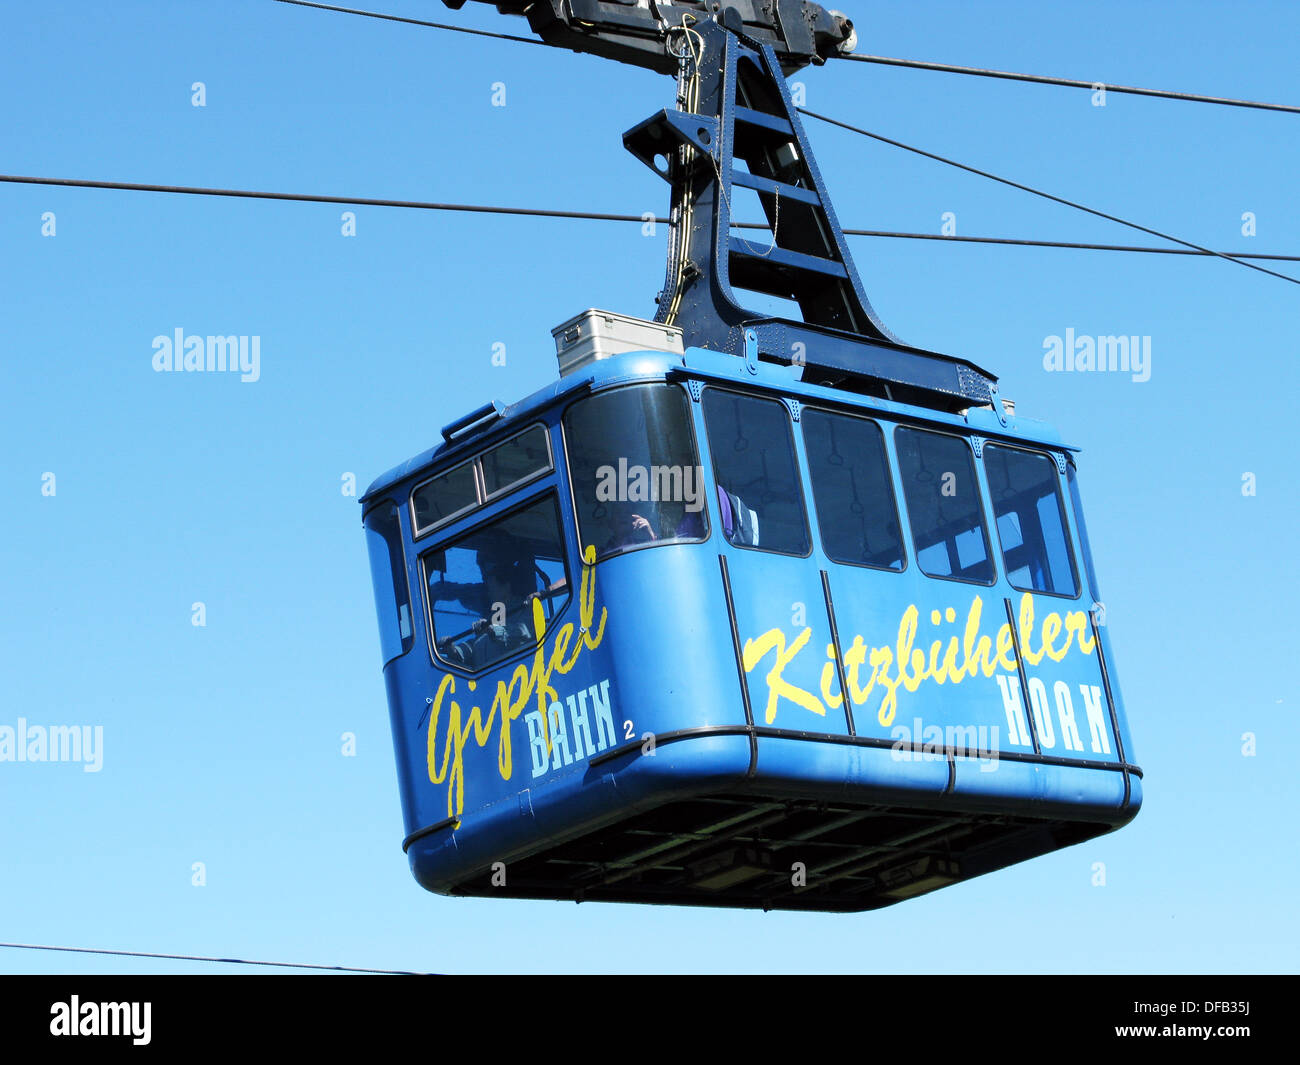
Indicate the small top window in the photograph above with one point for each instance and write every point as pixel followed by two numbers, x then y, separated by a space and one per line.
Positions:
pixel 1031 520
pixel 461 489
pixel 759 491
pixel 518 460
pixel 447 496
pixel 944 508
pixel 853 490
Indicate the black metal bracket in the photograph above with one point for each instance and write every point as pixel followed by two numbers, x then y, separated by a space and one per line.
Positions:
pixel 739 129
pixel 799 31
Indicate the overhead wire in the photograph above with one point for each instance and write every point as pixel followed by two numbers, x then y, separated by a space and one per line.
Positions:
pixel 539 212
pixel 1042 79
pixel 206 958
pixel 413 21
pixel 881 60
pixel 1240 260
pixel 358 201
pixel 1072 244
pixel 1045 195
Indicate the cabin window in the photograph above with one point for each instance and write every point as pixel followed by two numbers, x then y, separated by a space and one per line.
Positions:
pixel 943 505
pixel 852 490
pixel 635 469
pixel 388 576
pixel 483 585
pixel 519 459
pixel 447 496
pixel 1030 517
pixel 759 491
pixel 459 490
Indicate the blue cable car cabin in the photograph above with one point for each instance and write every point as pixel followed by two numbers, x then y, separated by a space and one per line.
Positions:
pixel 744 610
pixel 684 629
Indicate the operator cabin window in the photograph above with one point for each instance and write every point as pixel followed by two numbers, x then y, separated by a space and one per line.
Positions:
pixel 853 491
pixel 944 508
pixel 483 586
pixel 759 492
pixel 634 469
pixel 1031 521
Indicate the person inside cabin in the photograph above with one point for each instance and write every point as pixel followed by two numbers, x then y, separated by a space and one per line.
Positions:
pixel 739 522
pixel 627 528
pixel 691 527
pixel 502 599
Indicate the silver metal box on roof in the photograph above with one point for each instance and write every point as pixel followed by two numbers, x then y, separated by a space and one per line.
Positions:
pixel 595 334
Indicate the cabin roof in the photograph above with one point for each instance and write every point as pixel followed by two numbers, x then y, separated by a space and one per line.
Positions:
pixel 709 367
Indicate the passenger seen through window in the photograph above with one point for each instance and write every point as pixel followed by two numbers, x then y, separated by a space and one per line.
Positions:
pixel 482 587
pixel 760 496
pixel 634 469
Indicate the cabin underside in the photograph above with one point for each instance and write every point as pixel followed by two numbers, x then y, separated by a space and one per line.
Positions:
pixel 739 851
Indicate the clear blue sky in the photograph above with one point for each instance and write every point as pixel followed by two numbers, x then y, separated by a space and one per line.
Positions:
pixel 222 743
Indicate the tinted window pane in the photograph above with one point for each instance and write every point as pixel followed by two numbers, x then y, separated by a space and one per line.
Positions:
pixel 759 493
pixel 943 505
pixel 852 490
pixel 388 575
pixel 516 460
pixel 1072 477
pixel 446 496
pixel 482 586
pixel 635 472
pixel 1031 521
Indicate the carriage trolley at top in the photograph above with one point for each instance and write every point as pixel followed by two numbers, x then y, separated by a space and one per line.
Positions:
pixel 742 610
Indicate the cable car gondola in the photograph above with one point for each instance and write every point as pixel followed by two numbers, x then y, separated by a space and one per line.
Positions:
pixel 741 610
